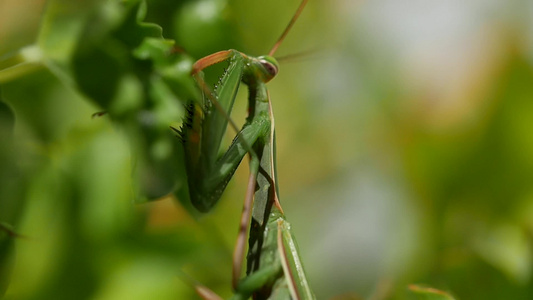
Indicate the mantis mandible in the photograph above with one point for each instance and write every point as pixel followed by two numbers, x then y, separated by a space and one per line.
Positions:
pixel 274 269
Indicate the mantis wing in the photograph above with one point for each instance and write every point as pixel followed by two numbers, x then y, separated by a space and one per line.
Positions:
pixel 291 263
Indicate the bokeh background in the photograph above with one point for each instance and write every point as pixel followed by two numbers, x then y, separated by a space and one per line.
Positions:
pixel 404 135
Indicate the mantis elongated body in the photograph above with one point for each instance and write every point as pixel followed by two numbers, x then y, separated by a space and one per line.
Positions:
pixel 274 269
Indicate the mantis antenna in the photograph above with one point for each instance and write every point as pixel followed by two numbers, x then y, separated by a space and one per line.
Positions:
pixel 288 28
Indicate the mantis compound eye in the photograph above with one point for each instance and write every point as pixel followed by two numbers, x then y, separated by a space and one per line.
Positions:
pixel 270 66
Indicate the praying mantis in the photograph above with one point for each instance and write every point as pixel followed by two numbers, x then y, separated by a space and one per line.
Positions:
pixel 274 268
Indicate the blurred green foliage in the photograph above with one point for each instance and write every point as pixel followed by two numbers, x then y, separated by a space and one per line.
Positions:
pixel 69 181
pixel 426 182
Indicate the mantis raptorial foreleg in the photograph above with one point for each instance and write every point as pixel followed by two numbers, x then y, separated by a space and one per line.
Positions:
pixel 274 270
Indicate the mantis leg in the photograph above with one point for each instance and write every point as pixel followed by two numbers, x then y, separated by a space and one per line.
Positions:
pixel 206 293
pixel 204 129
pixel 240 245
pixel 210 60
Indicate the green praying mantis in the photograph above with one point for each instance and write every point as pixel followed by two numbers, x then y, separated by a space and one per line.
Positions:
pixel 274 269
